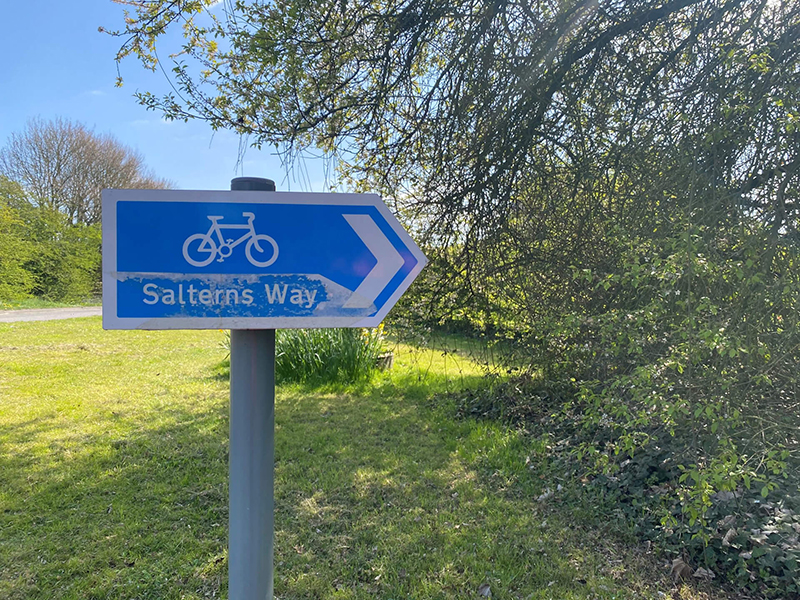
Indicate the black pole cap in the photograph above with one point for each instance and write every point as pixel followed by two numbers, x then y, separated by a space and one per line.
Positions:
pixel 252 184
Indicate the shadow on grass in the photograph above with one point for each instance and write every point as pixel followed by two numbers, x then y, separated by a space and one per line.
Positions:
pixel 221 371
pixel 373 499
pixel 93 516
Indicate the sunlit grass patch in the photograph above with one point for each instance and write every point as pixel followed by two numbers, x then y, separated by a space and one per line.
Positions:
pixel 113 481
pixel 34 302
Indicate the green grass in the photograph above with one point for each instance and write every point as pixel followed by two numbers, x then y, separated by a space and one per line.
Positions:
pixel 41 303
pixel 308 355
pixel 113 482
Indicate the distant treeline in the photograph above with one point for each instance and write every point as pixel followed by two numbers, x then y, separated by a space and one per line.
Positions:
pixel 43 253
pixel 52 174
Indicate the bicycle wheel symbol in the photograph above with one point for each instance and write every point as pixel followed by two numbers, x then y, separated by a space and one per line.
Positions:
pixel 267 249
pixel 199 249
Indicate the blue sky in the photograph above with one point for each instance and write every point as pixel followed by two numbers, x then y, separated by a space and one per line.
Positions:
pixel 56 63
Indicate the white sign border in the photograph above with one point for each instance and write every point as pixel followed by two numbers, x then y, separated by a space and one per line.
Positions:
pixel 109 228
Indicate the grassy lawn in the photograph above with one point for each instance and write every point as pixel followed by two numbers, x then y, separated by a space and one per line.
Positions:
pixel 113 471
pixel 41 303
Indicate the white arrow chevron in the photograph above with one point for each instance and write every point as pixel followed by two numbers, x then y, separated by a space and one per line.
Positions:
pixel 389 261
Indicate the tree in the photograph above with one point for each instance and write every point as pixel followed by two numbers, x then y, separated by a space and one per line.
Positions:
pixel 517 132
pixel 16 281
pixel 64 166
pixel 43 252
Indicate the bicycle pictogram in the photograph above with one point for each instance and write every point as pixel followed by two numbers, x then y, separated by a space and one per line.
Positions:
pixel 200 249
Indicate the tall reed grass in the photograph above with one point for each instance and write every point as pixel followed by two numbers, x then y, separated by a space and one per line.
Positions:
pixel 321 355
pixel 341 355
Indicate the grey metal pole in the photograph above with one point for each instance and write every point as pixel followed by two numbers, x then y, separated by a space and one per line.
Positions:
pixel 252 453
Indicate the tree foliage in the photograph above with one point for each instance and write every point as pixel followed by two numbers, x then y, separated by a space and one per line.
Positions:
pixel 64 166
pixel 43 253
pixel 515 131
pixel 15 250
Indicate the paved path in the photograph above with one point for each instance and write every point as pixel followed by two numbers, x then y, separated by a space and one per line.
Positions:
pixel 49 314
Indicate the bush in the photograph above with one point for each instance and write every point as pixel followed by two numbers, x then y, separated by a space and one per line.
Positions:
pixel 342 355
pixel 325 355
pixel 42 253
pixel 671 387
pixel 66 265
pixel 684 386
pixel 16 282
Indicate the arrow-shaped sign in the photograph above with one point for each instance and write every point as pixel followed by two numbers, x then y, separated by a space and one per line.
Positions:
pixel 251 260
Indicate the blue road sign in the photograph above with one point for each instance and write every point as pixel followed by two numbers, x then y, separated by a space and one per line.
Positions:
pixel 175 259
